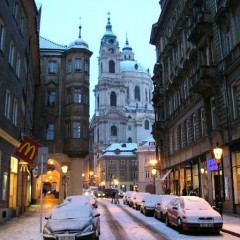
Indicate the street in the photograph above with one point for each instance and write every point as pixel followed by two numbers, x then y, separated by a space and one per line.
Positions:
pixel 118 222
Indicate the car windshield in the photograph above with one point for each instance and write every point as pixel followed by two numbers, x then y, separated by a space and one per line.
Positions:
pixel 71 211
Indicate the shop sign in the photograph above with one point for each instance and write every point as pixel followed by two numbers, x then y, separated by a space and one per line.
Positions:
pixel 212 165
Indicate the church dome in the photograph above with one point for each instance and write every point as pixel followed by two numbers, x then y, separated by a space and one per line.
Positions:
pixel 134 66
pixel 78 43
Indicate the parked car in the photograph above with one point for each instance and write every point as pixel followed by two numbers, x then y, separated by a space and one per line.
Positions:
pixel 160 207
pixel 138 199
pixel 132 198
pixel 90 198
pixel 192 213
pixel 72 221
pixel 127 196
pixel 148 204
pixel 99 194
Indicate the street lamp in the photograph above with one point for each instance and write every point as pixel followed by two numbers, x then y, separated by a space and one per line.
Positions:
pixel 154 173
pixel 202 172
pixel 218 155
pixel 64 179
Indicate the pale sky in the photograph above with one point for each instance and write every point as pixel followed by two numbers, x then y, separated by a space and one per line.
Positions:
pixel 60 22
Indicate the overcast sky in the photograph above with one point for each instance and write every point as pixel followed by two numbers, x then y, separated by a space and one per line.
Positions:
pixel 60 20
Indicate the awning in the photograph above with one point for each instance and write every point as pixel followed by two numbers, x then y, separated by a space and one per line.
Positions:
pixel 165 175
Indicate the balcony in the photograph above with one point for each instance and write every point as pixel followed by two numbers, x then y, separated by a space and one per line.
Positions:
pixel 203 24
pixel 204 79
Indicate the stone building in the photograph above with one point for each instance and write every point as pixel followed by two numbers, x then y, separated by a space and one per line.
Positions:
pixel 123 107
pixel 19 74
pixel 196 97
pixel 62 112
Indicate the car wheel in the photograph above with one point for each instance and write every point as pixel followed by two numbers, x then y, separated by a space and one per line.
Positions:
pixel 167 221
pixel 180 228
pixel 96 235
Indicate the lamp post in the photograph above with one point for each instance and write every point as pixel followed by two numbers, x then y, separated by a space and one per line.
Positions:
pixel 202 172
pixel 154 173
pixel 64 170
pixel 218 156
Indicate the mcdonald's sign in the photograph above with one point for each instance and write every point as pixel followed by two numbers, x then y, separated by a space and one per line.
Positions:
pixel 27 150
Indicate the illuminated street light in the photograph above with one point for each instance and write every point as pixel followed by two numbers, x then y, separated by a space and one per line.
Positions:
pixel 218 156
pixel 154 173
pixel 64 179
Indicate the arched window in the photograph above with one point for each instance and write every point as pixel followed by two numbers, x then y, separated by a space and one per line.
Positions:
pixel 113 99
pixel 113 131
pixel 111 66
pixel 146 124
pixel 130 140
pixel 137 93
pixel 98 102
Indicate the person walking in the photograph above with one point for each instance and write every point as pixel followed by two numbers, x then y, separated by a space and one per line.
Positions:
pixel 184 191
pixel 113 196
pixel 116 197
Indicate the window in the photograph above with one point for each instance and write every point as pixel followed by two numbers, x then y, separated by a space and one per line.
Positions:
pixel 112 163
pixel 235 107
pixel 22 22
pixel 18 65
pixel 113 131
pixel 146 124
pixel 15 111
pixel 180 137
pixel 76 130
pixel 134 162
pixel 69 66
pixel 50 131
pixel 2 34
pixel 202 121
pixel 129 127
pixel 15 9
pixel 86 66
pixel 194 123
pixel 123 162
pixel 78 64
pixel 69 96
pixel 228 39
pixel 68 130
pixel 51 101
pixel 4 186
pixel 137 93
pixel 147 174
pixel 213 113
pixel 52 67
pixel 113 99
pixel 11 53
pixel 130 140
pixel 7 104
pixel 77 95
pixel 187 132
pixel 111 66
pixel 236 177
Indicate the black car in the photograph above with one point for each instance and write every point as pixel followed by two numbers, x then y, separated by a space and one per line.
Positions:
pixel 72 221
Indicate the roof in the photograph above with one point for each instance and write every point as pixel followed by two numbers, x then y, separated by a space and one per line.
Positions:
pixel 47 44
pixel 121 149
pixel 129 65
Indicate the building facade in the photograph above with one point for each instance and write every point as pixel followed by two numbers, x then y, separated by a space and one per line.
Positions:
pixel 196 97
pixel 19 74
pixel 62 112
pixel 123 108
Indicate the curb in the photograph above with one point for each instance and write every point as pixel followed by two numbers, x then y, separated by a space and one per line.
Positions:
pixel 231 232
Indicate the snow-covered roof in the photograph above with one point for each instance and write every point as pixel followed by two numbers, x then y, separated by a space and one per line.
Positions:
pixel 78 43
pixel 121 149
pixel 47 44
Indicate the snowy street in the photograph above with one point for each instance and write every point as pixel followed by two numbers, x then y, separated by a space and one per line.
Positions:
pixel 118 222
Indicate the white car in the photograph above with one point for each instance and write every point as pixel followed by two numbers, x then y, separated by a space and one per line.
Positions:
pixel 148 204
pixel 126 197
pixel 138 199
pixel 192 213
pixel 91 199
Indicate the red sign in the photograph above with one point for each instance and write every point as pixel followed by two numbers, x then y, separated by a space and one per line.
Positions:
pixel 28 150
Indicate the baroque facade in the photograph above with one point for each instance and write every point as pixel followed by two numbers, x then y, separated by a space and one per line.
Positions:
pixel 62 112
pixel 123 108
pixel 196 97
pixel 19 74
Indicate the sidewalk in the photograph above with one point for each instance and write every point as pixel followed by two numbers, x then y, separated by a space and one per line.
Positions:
pixel 231 224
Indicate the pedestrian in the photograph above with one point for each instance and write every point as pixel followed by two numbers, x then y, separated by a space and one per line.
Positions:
pixel 116 197
pixel 184 191
pixel 113 196
pixel 192 192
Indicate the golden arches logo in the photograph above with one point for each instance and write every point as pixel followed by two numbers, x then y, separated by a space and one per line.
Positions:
pixel 28 147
